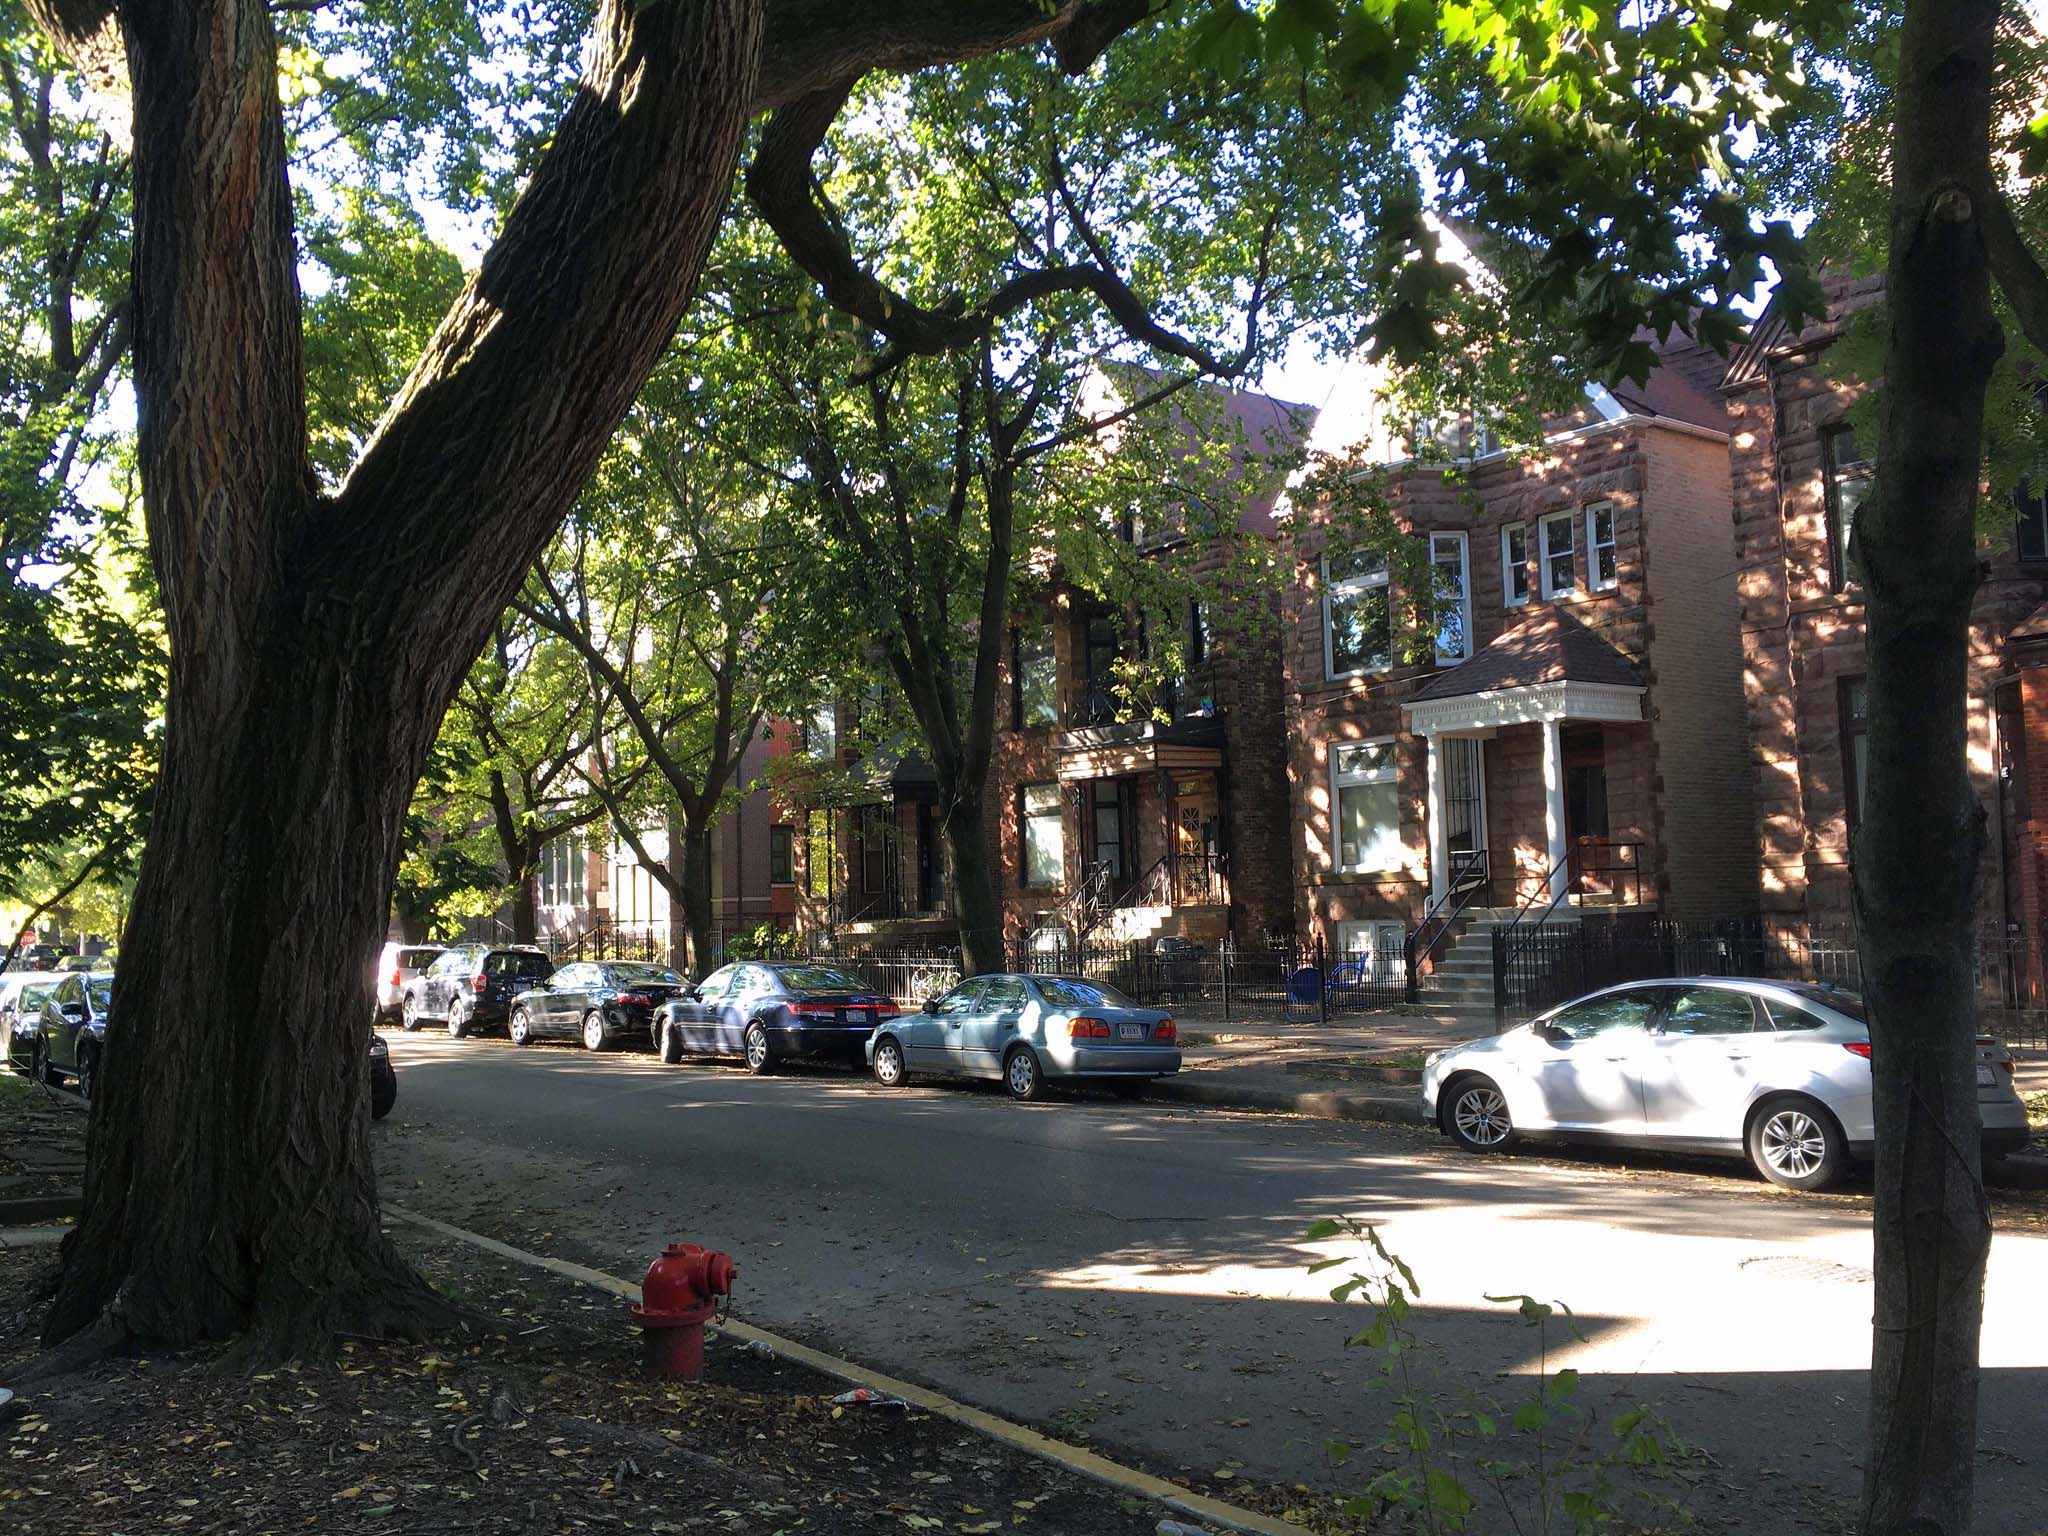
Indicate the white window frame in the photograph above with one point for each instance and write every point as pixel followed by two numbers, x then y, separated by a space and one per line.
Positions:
pixel 1514 573
pixel 1382 578
pixel 1569 521
pixel 1382 950
pixel 1594 546
pixel 1453 539
pixel 1389 773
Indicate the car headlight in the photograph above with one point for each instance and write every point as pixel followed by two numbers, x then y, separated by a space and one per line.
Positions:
pixel 1433 1058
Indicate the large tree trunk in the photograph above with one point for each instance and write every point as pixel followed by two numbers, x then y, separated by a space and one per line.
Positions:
pixel 1916 860
pixel 521 858
pixel 693 878
pixel 977 893
pixel 229 1187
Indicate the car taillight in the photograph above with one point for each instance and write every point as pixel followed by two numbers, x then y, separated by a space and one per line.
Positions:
pixel 1165 1030
pixel 1857 1048
pixel 1087 1029
pixel 812 1010
pixel 478 982
pixel 396 975
pixel 637 999
pixel 885 1009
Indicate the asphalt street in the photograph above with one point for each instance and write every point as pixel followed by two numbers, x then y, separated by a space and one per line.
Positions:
pixel 1137 1275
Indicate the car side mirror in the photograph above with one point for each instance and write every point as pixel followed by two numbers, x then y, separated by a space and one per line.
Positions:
pixel 73 1011
pixel 931 1005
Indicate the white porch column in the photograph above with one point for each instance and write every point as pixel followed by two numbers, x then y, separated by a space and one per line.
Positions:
pixel 1553 805
pixel 1438 821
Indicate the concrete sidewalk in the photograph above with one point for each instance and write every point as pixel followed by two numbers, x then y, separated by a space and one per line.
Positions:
pixel 1354 1071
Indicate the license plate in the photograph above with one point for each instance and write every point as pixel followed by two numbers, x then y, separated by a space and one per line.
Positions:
pixel 1132 1031
pixel 1986 1078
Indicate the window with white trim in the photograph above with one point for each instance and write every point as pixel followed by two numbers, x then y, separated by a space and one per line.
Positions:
pixel 1514 565
pixel 1042 835
pixel 1365 800
pixel 561 872
pixel 1451 602
pixel 1601 565
pixel 1358 614
pixel 1379 948
pixel 1560 564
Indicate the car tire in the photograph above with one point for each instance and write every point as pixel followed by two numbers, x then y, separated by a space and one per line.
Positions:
pixel 1023 1079
pixel 889 1069
pixel 595 1036
pixel 409 1013
pixel 1796 1144
pixel 520 1027
pixel 671 1043
pixel 39 1066
pixel 1476 1115
pixel 760 1051
pixel 1130 1087
pixel 88 1075
pixel 383 1094
pixel 458 1026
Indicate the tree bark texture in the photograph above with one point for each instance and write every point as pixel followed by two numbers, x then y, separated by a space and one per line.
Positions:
pixel 229 1186
pixel 1917 855
pixel 694 893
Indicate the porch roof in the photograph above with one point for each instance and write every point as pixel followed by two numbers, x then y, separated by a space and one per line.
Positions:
pixel 1548 667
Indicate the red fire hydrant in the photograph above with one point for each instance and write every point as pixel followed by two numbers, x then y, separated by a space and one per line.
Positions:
pixel 677 1296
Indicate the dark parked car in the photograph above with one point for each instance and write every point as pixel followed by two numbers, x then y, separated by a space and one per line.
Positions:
pixel 383 1079
pixel 597 1001
pixel 21 1013
pixel 72 1033
pixel 473 985
pixel 765 1011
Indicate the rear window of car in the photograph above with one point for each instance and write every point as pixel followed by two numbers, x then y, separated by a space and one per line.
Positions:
pixel 413 959
pixel 818 978
pixel 660 975
pixel 1063 993
pixel 525 967
pixel 1848 1004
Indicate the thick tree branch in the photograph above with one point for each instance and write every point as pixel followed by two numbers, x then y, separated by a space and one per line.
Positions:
pixel 2019 274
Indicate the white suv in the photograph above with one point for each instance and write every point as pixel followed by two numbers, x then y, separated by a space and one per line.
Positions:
pixel 398 967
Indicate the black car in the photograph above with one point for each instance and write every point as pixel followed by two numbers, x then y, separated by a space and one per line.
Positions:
pixel 383 1079
pixel 596 1000
pixel 71 1035
pixel 765 1011
pixel 473 985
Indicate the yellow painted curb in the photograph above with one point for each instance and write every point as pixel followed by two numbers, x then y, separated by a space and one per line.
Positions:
pixel 1088 1464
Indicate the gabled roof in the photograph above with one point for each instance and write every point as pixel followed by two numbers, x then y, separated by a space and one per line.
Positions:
pixel 1768 337
pixel 1548 646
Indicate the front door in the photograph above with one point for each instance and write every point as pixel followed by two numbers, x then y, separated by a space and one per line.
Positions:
pixel 1464 771
pixel 1585 812
pixel 1195 831
pixel 1701 1070
pixel 1110 815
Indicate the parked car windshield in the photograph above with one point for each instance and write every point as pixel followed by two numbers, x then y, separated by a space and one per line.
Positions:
pixel 413 959
pixel 1062 992
pixel 525 967
pixel 818 978
pixel 659 974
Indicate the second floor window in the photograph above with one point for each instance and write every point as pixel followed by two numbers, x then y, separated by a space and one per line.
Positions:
pixel 561 873
pixel 1451 603
pixel 2030 526
pixel 1847 475
pixel 821 733
pixel 1042 832
pixel 1560 564
pixel 1036 700
pixel 1358 630
pixel 1600 560
pixel 1514 565
pixel 781 855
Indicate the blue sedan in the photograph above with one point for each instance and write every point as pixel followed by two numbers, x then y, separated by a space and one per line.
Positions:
pixel 1026 1030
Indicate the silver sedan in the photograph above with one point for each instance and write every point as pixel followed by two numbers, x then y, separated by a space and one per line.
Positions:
pixel 1026 1030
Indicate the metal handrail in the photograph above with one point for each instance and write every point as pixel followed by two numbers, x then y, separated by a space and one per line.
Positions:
pixel 1470 874
pixel 1512 947
pixel 1081 910
pixel 1155 874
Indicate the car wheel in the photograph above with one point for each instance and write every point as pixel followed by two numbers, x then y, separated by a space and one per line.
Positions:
pixel 889 1063
pixel 1477 1116
pixel 1796 1144
pixel 88 1074
pixel 1021 1076
pixel 409 1012
pixel 593 1030
pixel 520 1027
pixel 671 1043
pixel 458 1025
pixel 383 1094
pixel 39 1066
pixel 760 1059
pixel 1130 1087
